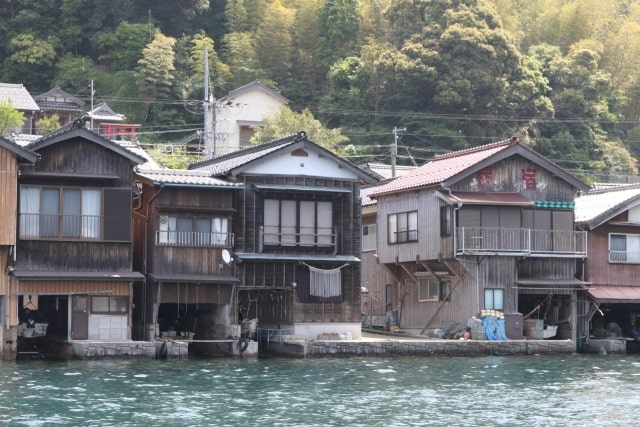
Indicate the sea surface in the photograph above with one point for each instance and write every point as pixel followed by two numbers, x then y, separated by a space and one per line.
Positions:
pixel 594 390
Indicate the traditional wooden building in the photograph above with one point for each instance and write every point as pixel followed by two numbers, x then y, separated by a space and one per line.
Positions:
pixel 297 236
pixel 12 159
pixel 58 102
pixel 21 100
pixel 73 261
pixel 183 222
pixel 611 218
pixel 485 228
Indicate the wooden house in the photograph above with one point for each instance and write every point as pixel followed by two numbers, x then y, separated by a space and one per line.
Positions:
pixel 58 102
pixel 73 262
pixel 297 236
pixel 611 218
pixel 490 227
pixel 183 223
pixel 21 100
pixel 12 159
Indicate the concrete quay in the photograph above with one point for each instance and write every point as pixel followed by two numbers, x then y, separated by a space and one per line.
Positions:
pixel 438 347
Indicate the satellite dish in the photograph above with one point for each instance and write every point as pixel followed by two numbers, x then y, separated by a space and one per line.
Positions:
pixel 226 256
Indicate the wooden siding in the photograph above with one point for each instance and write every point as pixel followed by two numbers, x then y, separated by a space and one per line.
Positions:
pixel 192 293
pixel 547 268
pixel 187 260
pixel 507 177
pixel 8 197
pixel 82 157
pixel 346 213
pixel 599 270
pixel 281 275
pixel 428 245
pixel 60 287
pixel 47 255
pixel 4 258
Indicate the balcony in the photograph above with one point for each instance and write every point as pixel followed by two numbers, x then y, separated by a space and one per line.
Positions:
pixel 521 242
pixel 194 238
pixel 322 239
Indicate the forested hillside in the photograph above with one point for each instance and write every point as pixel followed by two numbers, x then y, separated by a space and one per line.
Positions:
pixel 562 75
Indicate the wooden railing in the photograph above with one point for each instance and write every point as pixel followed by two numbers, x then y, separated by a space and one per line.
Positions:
pixel 520 241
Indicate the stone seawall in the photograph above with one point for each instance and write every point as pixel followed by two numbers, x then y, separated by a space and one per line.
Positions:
pixel 438 348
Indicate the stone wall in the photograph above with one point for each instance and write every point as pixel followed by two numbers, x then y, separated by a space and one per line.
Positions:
pixel 438 348
pixel 119 349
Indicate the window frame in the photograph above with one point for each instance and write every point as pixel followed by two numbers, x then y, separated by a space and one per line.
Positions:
pixel 288 222
pixel 438 289
pixel 369 243
pixel 50 212
pixel 116 304
pixel 399 225
pixel 445 221
pixel 186 230
pixel 490 294
pixel 619 256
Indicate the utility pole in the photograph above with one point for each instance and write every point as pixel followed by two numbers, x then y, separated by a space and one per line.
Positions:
pixel 209 112
pixel 92 92
pixel 394 150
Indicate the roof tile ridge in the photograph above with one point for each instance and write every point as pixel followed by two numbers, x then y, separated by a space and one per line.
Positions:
pixel 247 150
pixel 463 152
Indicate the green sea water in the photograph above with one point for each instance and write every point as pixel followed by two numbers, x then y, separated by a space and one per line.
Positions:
pixel 415 391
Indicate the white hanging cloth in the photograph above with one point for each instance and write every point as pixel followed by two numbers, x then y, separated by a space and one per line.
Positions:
pixel 325 283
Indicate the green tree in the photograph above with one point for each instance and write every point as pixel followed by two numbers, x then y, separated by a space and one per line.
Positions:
pixel 155 69
pixel 47 125
pixel 11 120
pixel 218 71
pixel 339 24
pixel 274 41
pixel 283 121
pixel 31 61
pixel 74 73
pixel 123 47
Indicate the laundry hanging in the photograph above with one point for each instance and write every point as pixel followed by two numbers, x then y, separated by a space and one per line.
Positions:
pixel 325 283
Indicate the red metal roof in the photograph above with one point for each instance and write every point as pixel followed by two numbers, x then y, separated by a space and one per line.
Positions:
pixel 443 167
pixel 615 293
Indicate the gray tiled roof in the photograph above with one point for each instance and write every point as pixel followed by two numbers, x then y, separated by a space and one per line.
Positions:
pixel 185 177
pixel 598 206
pixel 19 97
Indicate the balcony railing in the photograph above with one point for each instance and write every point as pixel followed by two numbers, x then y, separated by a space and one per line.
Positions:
pixel 520 241
pixel 624 257
pixel 321 238
pixel 55 226
pixel 194 238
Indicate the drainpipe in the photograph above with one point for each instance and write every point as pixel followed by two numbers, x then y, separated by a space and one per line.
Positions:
pixel 144 255
pixel 455 210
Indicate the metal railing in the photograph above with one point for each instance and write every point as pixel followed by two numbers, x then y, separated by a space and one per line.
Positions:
pixel 525 241
pixel 194 238
pixel 57 226
pixel 316 238
pixel 624 257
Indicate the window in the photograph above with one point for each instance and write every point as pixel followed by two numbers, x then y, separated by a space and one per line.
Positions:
pixel 109 304
pixel 403 227
pixel 298 223
pixel 624 248
pixel 369 237
pixel 194 231
pixel 445 221
pixel 432 289
pixel 60 213
pixel 494 299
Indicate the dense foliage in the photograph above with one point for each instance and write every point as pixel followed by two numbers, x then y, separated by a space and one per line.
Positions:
pixel 562 75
